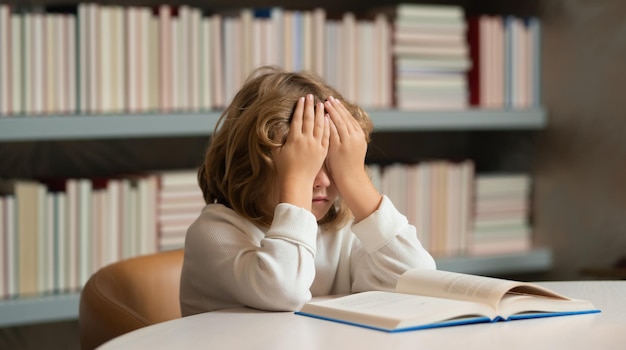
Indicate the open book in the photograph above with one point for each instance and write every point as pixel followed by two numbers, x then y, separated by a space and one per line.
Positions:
pixel 434 298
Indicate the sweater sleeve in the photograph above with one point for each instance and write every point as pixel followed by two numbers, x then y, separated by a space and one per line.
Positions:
pixel 387 246
pixel 230 262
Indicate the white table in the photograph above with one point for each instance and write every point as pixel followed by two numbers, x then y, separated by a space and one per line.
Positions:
pixel 252 329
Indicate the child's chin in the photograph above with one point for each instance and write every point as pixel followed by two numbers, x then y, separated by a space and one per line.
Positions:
pixel 320 210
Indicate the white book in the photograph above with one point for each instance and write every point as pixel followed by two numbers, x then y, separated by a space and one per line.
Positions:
pixel 194 59
pixel 12 255
pixel 97 229
pixel 332 49
pixel 217 72
pixel 318 36
pixel 277 18
pixel 366 67
pixel 84 217
pixel 394 185
pixel 348 68
pixel 28 60
pixel 106 59
pixel 287 40
pixel 38 88
pixel 5 55
pixel 411 64
pixel 112 229
pixel 139 59
pixel 245 43
pixel 17 65
pixel 257 42
pixel 147 214
pixel 497 38
pixel 206 54
pixel 28 198
pixel 51 66
pixel 452 214
pixel 182 52
pixel 132 221
pixel 423 219
pixel 84 60
pixel 152 79
pixel 71 243
pixel 4 293
pixel 50 247
pixel 467 202
pixel 383 64
pixel 71 93
pixel 99 76
pixel 43 241
pixel 412 183
pixel 133 58
pixel 61 281
pixel 175 62
pixel 127 219
pixel 429 12
pixel 206 49
pixel 177 178
pixel 231 52
pixel 535 27
pixel 307 48
pixel 118 34
pixel 166 56
pixel 57 51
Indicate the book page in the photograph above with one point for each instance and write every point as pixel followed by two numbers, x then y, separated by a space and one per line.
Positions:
pixel 394 310
pixel 454 285
pixel 514 303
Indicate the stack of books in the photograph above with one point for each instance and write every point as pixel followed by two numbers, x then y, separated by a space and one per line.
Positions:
pixel 180 202
pixel 505 53
pixel 501 215
pixel 431 56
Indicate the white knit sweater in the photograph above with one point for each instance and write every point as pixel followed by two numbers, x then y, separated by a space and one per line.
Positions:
pixel 230 262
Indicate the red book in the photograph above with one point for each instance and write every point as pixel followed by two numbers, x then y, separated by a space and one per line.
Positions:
pixel 473 75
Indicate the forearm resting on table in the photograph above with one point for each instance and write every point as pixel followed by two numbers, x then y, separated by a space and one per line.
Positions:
pixel 361 196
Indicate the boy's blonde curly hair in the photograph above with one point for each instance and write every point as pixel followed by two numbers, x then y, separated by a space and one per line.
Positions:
pixel 238 170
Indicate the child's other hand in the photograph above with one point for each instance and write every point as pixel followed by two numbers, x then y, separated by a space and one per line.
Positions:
pixel 302 155
pixel 346 161
pixel 348 145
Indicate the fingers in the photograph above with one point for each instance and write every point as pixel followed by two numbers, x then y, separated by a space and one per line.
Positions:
pixel 327 128
pixel 320 121
pixel 340 116
pixel 296 120
pixel 308 118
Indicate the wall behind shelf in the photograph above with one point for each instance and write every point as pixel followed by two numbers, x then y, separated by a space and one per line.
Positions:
pixel 580 187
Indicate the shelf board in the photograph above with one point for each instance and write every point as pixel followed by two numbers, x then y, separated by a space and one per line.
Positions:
pixel 50 308
pixel 76 127
pixel 15 312
pixel 471 119
pixel 536 260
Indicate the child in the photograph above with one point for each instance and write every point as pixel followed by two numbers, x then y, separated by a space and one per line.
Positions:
pixel 291 212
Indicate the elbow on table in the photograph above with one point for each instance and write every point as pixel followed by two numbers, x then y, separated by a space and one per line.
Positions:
pixel 286 301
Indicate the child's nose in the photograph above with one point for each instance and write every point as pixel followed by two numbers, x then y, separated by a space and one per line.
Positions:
pixel 321 179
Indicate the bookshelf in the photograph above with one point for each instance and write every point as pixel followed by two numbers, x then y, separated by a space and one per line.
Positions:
pixel 65 306
pixel 171 125
pixel 201 124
